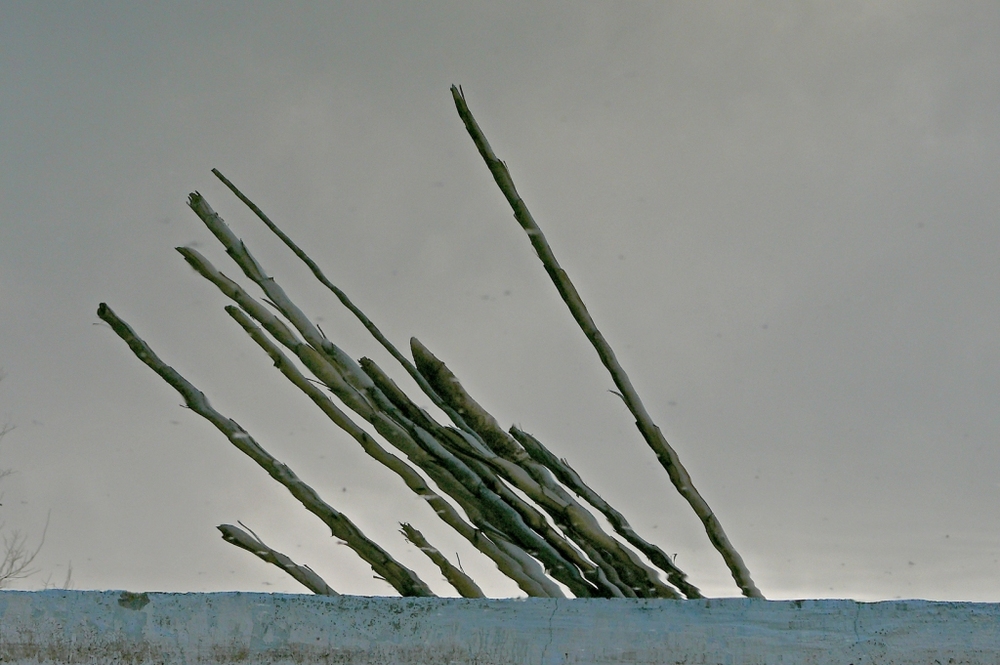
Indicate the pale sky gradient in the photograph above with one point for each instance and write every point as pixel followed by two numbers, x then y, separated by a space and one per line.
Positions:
pixel 783 216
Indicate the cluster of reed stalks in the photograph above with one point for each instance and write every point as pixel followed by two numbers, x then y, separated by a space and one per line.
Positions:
pixel 502 490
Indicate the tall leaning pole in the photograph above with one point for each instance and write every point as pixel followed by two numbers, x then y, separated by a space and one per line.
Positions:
pixel 650 432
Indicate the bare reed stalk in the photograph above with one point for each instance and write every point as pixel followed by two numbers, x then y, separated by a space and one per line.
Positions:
pixel 404 580
pixel 464 584
pixel 304 575
pixel 517 467
pixel 414 481
pixel 472 494
pixel 507 556
pixel 456 417
pixel 346 301
pixel 651 433
pixel 498 512
pixel 568 477
pixel 474 457
pixel 252 269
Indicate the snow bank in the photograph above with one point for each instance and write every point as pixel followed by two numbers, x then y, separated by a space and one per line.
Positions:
pixel 122 627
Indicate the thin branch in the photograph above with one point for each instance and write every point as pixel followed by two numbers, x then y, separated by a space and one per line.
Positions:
pixel 498 511
pixel 651 433
pixel 67 582
pixel 17 558
pixel 401 578
pixel 304 575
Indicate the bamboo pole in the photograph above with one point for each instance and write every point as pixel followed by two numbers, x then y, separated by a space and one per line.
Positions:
pixel 304 575
pixel 404 580
pixel 651 433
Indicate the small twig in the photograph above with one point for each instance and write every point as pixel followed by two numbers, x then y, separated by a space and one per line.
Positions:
pixel 17 559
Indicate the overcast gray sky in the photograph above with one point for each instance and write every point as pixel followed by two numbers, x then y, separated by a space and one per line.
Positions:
pixel 783 216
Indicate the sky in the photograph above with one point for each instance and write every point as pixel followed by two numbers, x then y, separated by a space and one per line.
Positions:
pixel 782 216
